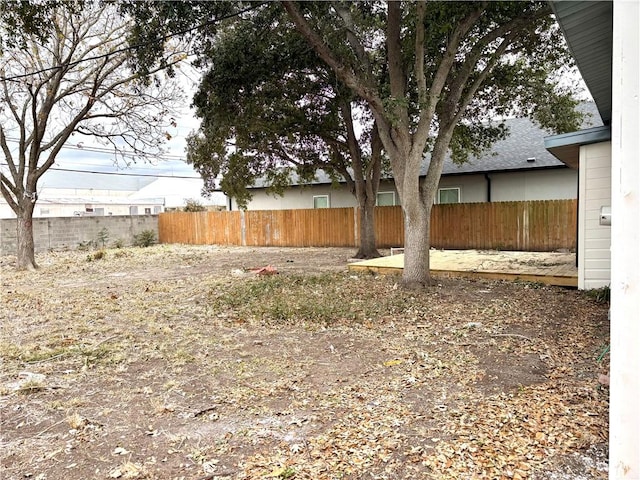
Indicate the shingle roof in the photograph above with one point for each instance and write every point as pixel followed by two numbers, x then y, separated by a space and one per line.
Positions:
pixel 524 141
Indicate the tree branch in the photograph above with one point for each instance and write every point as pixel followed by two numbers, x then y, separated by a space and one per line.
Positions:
pixel 8 156
pixel 352 38
pixel 427 111
pixel 352 141
pixel 458 83
pixel 419 53
pixel 7 189
pixel 344 73
pixel 471 91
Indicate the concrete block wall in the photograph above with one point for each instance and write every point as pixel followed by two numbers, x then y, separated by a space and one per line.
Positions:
pixel 67 233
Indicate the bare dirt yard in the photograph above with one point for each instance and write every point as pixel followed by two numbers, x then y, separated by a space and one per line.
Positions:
pixel 175 362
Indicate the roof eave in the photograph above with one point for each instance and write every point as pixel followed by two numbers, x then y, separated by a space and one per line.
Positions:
pixel 566 147
pixel 588 28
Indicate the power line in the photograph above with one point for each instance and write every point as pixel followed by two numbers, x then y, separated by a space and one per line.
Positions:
pixel 151 166
pixel 94 149
pixel 136 46
pixel 122 174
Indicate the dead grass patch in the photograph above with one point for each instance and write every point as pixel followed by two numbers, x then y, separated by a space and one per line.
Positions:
pixel 195 371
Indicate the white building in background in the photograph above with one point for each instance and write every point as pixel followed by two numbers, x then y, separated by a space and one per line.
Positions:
pixel 66 194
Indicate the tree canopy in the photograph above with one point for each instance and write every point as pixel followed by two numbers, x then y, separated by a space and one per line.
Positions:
pixel 273 112
pixel 265 102
pixel 434 74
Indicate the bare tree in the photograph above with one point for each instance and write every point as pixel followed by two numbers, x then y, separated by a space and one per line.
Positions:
pixel 73 80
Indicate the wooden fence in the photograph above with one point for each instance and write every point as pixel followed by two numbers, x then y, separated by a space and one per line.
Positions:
pixel 528 226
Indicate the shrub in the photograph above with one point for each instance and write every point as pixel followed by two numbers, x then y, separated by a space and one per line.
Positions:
pixel 119 243
pixel 600 295
pixel 192 205
pixel 103 236
pixel 85 246
pixel 146 238
pixel 99 255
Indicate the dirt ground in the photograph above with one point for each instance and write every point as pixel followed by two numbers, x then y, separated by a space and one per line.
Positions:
pixel 177 362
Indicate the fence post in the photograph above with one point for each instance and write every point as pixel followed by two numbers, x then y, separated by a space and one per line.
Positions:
pixel 243 229
pixel 525 226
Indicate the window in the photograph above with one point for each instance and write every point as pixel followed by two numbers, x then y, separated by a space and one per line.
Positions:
pixel 88 208
pixel 157 209
pixel 147 210
pixel 321 201
pixel 133 210
pixel 386 199
pixel 449 195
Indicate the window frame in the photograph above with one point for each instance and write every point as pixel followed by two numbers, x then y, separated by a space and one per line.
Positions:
pixel 321 196
pixel 393 195
pixel 458 189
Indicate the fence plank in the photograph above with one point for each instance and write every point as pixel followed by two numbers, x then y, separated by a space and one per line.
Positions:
pixel 529 226
pixel 389 227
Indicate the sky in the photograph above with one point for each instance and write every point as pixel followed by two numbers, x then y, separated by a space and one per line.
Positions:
pixel 95 157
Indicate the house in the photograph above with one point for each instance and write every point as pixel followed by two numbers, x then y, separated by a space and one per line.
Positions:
pixel 588 151
pixel 516 168
pixel 605 41
pixel 64 193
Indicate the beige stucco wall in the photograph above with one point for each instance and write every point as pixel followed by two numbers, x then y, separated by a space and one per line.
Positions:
pixel 302 197
pixel 473 188
pixel 299 197
pixel 594 240
pixel 556 184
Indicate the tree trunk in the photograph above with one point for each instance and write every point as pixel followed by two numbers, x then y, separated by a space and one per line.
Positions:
pixel 25 247
pixel 367 248
pixel 417 224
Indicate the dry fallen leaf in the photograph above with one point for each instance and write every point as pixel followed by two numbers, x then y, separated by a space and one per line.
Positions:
pixel 391 363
